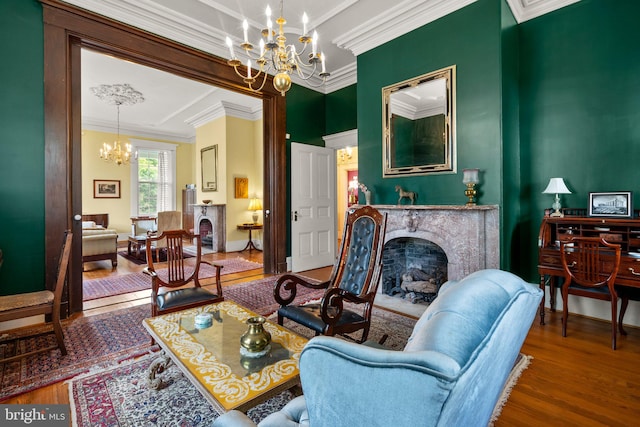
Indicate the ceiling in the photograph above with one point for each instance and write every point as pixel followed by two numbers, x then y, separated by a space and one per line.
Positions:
pixel 174 106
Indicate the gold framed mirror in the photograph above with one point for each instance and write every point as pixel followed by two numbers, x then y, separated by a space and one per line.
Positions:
pixel 209 159
pixel 418 125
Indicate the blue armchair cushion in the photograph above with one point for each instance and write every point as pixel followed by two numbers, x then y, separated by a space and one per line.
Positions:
pixel 183 296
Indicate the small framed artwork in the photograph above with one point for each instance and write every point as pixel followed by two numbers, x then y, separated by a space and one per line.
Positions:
pixel 242 188
pixel 106 189
pixel 611 204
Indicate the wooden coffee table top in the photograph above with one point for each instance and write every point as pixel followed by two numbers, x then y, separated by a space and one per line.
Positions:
pixel 211 358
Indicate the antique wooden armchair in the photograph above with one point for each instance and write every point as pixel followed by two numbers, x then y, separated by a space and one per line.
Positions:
pixel 169 286
pixel 354 279
pixel 590 265
pixel 47 302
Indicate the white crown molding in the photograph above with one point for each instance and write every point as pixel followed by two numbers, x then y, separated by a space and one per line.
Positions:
pixel 224 109
pixel 524 10
pixel 107 127
pixel 342 78
pixel 398 20
pixel 339 140
pixel 150 16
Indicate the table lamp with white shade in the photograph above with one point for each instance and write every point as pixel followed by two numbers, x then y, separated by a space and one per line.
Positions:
pixel 556 186
pixel 255 205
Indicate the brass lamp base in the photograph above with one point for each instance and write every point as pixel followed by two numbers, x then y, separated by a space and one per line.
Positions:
pixel 471 192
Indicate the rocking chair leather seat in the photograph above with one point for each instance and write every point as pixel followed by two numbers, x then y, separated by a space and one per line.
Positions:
pixel 179 298
pixel 354 280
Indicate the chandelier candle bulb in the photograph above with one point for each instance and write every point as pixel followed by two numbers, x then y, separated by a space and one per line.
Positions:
pixel 245 28
pixel 249 69
pixel 314 43
pixel 323 58
pixel 230 44
pixel 305 20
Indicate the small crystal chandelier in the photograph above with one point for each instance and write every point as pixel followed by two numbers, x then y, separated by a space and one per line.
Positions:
pixel 278 57
pixel 117 94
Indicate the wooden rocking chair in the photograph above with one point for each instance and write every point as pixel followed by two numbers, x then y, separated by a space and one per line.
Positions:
pixel 354 279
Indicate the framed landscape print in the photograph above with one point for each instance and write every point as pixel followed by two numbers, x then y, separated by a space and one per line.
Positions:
pixel 106 189
pixel 611 204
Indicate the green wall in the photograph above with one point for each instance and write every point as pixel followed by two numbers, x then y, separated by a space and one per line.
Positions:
pixel 580 103
pixel 470 40
pixel 21 147
pixel 342 109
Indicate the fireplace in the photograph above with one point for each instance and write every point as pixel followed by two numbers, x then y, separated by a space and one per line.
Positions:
pixel 210 224
pixel 432 244
pixel 413 269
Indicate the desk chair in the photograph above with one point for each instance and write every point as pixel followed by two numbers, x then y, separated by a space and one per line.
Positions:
pixel 590 265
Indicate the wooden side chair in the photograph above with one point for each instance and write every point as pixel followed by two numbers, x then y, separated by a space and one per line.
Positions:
pixel 167 220
pixel 169 286
pixel 590 265
pixel 47 302
pixel 354 279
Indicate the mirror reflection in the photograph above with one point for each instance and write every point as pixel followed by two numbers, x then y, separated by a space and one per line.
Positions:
pixel 419 126
pixel 209 158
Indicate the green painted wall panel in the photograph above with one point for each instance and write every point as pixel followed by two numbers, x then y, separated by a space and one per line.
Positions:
pixel 469 39
pixel 22 147
pixel 580 108
pixel 342 108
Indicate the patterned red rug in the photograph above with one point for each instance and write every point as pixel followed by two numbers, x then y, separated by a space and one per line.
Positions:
pixel 117 285
pixel 97 341
pixel 92 343
pixel 119 395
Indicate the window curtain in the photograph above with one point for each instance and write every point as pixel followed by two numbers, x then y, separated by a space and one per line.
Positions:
pixel 164 182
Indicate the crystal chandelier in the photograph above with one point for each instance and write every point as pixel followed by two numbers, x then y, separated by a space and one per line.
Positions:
pixel 117 94
pixel 278 57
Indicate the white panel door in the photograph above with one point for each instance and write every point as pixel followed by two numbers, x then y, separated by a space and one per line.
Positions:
pixel 313 207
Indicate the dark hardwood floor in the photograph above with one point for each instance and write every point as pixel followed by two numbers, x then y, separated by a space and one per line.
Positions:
pixel 572 381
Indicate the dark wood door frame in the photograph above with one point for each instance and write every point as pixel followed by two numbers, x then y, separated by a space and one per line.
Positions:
pixel 67 29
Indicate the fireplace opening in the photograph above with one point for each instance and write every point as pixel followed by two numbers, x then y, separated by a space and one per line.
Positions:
pixel 413 269
pixel 205 230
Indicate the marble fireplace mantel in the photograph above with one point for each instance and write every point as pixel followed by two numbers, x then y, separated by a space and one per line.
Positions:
pixel 469 235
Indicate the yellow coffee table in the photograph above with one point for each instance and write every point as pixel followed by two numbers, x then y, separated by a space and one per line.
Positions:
pixel 211 359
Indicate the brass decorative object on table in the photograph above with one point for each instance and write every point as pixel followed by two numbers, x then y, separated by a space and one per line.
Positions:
pixel 470 179
pixel 255 342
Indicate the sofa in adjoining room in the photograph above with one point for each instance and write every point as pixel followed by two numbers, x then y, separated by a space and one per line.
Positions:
pixel 451 372
pixel 99 243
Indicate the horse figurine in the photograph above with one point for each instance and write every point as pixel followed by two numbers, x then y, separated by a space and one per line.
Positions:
pixel 411 195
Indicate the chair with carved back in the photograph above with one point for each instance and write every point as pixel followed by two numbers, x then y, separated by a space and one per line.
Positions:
pixel 354 280
pixel 47 302
pixel 169 283
pixel 590 265
pixel 167 220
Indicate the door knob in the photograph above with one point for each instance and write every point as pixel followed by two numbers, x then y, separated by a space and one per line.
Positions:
pixel 77 217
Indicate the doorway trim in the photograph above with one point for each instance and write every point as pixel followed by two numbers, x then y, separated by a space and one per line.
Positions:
pixel 67 29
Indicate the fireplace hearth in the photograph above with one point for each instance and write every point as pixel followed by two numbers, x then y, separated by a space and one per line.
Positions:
pixel 461 240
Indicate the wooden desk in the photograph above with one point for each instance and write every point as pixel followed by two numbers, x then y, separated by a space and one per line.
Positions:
pixel 250 227
pixel 623 231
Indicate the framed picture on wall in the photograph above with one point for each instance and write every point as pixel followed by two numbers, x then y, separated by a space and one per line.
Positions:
pixel 242 188
pixel 611 204
pixel 106 189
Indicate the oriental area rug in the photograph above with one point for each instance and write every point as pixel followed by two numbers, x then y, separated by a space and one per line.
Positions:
pixel 95 342
pixel 117 285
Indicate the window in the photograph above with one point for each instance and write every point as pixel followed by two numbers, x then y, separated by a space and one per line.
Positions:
pixel 153 178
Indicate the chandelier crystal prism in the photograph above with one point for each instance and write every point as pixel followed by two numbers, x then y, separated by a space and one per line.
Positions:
pixel 279 58
pixel 117 94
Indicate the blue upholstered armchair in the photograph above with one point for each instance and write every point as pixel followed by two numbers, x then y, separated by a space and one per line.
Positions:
pixel 450 373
